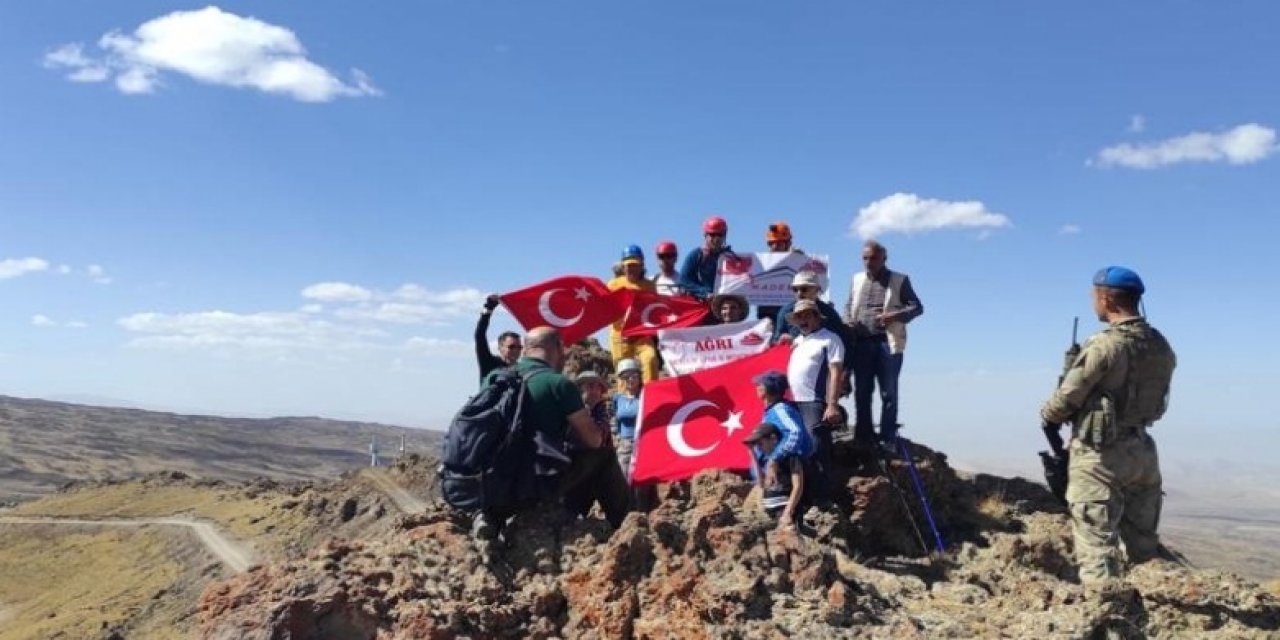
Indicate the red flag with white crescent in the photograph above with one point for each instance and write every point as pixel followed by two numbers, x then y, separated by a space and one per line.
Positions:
pixel 649 313
pixel 698 421
pixel 576 306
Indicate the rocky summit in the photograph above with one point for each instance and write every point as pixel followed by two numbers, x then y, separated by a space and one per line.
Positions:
pixel 707 563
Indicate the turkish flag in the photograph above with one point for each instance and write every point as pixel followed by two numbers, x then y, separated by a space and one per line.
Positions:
pixel 699 420
pixel 647 313
pixel 576 306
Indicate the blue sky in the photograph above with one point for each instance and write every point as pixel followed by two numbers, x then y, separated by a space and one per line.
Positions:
pixel 464 148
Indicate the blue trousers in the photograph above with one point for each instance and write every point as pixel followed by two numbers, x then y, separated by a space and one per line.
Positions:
pixel 874 366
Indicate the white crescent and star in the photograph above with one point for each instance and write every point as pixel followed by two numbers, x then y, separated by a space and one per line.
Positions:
pixel 675 430
pixel 544 308
pixel 644 315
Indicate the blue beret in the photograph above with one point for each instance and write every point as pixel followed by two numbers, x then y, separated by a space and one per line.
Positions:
pixel 773 381
pixel 1119 278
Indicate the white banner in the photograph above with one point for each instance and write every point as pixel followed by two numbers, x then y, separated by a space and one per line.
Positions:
pixel 765 278
pixel 695 348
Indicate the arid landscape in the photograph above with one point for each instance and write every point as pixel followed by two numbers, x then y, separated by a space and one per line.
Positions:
pixel 110 510
pixel 192 541
pixel 45 444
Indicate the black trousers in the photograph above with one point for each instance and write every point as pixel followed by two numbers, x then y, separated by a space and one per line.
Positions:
pixel 595 476
pixel 820 478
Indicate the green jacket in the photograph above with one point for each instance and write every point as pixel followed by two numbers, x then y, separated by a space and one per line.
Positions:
pixel 1123 371
pixel 553 398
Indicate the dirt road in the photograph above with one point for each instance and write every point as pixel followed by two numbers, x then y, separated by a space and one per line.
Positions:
pixel 404 500
pixel 234 556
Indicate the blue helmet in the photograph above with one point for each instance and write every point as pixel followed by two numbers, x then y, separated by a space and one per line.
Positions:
pixel 1119 278
pixel 633 252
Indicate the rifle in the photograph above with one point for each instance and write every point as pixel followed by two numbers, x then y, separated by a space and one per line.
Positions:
pixel 1056 460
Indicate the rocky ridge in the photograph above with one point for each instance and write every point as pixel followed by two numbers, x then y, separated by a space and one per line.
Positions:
pixel 708 563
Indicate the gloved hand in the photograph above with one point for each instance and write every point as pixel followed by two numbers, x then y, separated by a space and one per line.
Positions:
pixel 491 302
pixel 1055 438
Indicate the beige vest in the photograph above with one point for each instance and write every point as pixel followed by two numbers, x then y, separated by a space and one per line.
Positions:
pixel 896 331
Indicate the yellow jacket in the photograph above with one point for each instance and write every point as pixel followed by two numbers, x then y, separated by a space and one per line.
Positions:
pixel 621 282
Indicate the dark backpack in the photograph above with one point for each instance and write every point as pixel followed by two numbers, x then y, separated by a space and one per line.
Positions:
pixel 489 453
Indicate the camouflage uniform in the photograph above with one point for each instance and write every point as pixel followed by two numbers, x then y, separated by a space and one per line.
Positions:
pixel 1116 388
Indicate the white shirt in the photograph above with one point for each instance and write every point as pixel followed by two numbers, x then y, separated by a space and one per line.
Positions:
pixel 667 285
pixel 809 368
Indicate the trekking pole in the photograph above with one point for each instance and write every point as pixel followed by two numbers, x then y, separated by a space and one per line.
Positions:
pixel 906 507
pixel 924 499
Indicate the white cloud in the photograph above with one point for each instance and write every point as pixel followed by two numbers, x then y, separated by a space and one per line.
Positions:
pixel 337 292
pixel 351 323
pixel 1069 230
pixel 1137 123
pixel 436 346
pixel 14 267
pixel 909 213
pixel 267 329
pixel 399 313
pixel 1245 144
pixel 417 293
pixel 98 274
pixel 211 46
pixel 414 304
pixel 41 320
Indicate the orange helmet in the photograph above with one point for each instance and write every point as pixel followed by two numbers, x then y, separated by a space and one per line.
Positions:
pixel 778 232
pixel 715 224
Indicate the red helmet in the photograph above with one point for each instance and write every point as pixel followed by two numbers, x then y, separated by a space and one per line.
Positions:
pixel 715 224
pixel 666 247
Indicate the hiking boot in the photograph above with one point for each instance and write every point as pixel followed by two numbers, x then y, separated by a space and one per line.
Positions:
pixel 1120 613
pixel 483 527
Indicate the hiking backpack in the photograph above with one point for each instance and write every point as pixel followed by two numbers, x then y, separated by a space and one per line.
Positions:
pixel 489 452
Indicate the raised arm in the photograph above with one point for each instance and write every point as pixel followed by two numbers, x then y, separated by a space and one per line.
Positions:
pixel 483 352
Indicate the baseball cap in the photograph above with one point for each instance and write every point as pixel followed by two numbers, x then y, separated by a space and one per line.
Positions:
pixel 588 376
pixel 773 381
pixel 806 279
pixel 802 306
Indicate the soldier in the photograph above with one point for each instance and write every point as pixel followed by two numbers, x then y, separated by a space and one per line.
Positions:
pixel 1115 389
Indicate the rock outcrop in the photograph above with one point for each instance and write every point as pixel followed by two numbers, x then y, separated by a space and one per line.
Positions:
pixel 708 563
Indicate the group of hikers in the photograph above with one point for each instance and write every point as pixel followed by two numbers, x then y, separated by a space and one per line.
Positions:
pixel 832 355
pixel 1110 394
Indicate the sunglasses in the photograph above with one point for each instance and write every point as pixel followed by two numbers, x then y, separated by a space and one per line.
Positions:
pixel 715 235
pixel 665 256
pixel 803 289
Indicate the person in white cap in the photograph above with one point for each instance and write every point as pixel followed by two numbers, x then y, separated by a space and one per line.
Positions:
pixel 806 286
pixel 815 374
pixel 626 410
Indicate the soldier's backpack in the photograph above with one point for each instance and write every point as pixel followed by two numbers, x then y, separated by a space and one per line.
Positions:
pixel 488 455
pixel 1151 365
